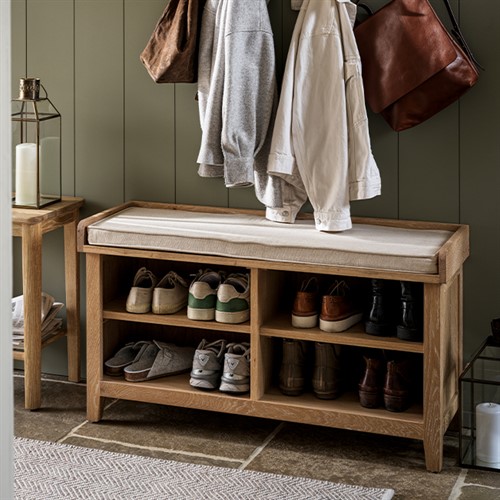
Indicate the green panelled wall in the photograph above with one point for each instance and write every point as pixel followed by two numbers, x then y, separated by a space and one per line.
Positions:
pixel 125 137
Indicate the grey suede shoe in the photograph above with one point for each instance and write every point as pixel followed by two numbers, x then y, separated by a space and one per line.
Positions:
pixel 160 360
pixel 124 357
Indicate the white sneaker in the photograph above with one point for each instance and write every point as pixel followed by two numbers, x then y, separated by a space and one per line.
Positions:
pixel 170 294
pixel 233 300
pixel 141 294
pixel 203 295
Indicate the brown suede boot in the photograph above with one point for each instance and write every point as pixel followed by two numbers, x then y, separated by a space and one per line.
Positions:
pixel 371 385
pixel 292 378
pixel 397 385
pixel 326 379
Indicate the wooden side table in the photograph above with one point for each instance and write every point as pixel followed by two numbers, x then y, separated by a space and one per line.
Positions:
pixel 31 225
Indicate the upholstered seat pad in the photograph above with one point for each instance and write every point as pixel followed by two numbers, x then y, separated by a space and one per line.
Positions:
pixel 253 237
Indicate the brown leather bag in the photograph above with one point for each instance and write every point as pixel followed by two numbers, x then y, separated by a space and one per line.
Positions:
pixel 412 67
pixel 171 54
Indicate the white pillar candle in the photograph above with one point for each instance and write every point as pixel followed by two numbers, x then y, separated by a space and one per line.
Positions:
pixel 488 432
pixel 26 174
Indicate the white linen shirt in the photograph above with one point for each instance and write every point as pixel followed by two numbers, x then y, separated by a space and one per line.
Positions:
pixel 321 143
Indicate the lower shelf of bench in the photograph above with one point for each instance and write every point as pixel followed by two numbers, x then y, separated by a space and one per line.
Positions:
pixel 344 412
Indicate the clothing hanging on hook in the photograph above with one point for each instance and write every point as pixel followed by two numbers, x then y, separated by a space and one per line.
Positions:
pixel 237 96
pixel 321 143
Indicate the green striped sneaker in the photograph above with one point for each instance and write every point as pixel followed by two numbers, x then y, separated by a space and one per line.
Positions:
pixel 203 295
pixel 233 299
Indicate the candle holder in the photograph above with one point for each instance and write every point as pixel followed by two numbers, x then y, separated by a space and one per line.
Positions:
pixel 480 408
pixel 36 147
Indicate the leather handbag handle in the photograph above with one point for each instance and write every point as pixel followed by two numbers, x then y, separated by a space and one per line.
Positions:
pixel 457 33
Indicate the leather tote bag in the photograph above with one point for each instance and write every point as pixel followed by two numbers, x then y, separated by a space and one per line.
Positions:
pixel 171 54
pixel 412 67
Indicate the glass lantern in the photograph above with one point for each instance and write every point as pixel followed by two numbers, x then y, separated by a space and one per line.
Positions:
pixel 480 408
pixel 36 147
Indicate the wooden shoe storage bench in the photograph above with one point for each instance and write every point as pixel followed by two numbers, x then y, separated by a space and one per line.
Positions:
pixel 120 240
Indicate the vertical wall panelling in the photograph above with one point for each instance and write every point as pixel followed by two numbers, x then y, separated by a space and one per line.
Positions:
pixel 384 143
pixel 50 37
pixel 480 171
pixel 149 113
pixel 18 48
pixel 99 83
pixel 428 161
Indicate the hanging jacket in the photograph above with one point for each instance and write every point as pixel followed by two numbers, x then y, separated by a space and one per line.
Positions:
pixel 321 143
pixel 237 96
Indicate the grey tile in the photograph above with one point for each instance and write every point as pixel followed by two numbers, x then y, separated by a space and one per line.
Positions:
pixel 473 492
pixel 484 478
pixel 183 429
pixel 63 408
pixel 149 452
pixel 359 459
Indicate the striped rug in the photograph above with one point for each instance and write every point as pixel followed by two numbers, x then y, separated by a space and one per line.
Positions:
pixel 51 471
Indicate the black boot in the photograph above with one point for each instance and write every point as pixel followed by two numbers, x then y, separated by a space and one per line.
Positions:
pixel 381 318
pixel 410 321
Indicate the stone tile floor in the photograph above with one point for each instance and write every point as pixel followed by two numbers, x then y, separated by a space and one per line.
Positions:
pixel 250 443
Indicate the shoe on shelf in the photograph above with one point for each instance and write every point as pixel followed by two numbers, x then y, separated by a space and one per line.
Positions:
pixel 124 357
pixel 236 372
pixel 159 360
pixel 326 381
pixel 381 319
pixel 202 295
pixel 410 319
pixel 293 365
pixel 305 306
pixel 397 386
pixel 339 310
pixel 372 382
pixel 207 364
pixel 141 294
pixel 170 294
pixel 233 299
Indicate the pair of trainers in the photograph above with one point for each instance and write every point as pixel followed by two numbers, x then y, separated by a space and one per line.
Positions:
pixel 213 296
pixel 338 309
pixel 218 365
pixel 167 296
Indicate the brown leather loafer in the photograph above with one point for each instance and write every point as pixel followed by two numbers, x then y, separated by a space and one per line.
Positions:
pixel 305 306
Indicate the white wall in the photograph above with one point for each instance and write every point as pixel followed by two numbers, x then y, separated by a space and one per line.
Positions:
pixel 6 392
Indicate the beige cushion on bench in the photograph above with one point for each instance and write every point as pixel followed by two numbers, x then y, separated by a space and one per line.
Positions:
pixel 253 237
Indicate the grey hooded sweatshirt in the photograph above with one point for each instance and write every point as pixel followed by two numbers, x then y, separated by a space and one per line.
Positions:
pixel 237 96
